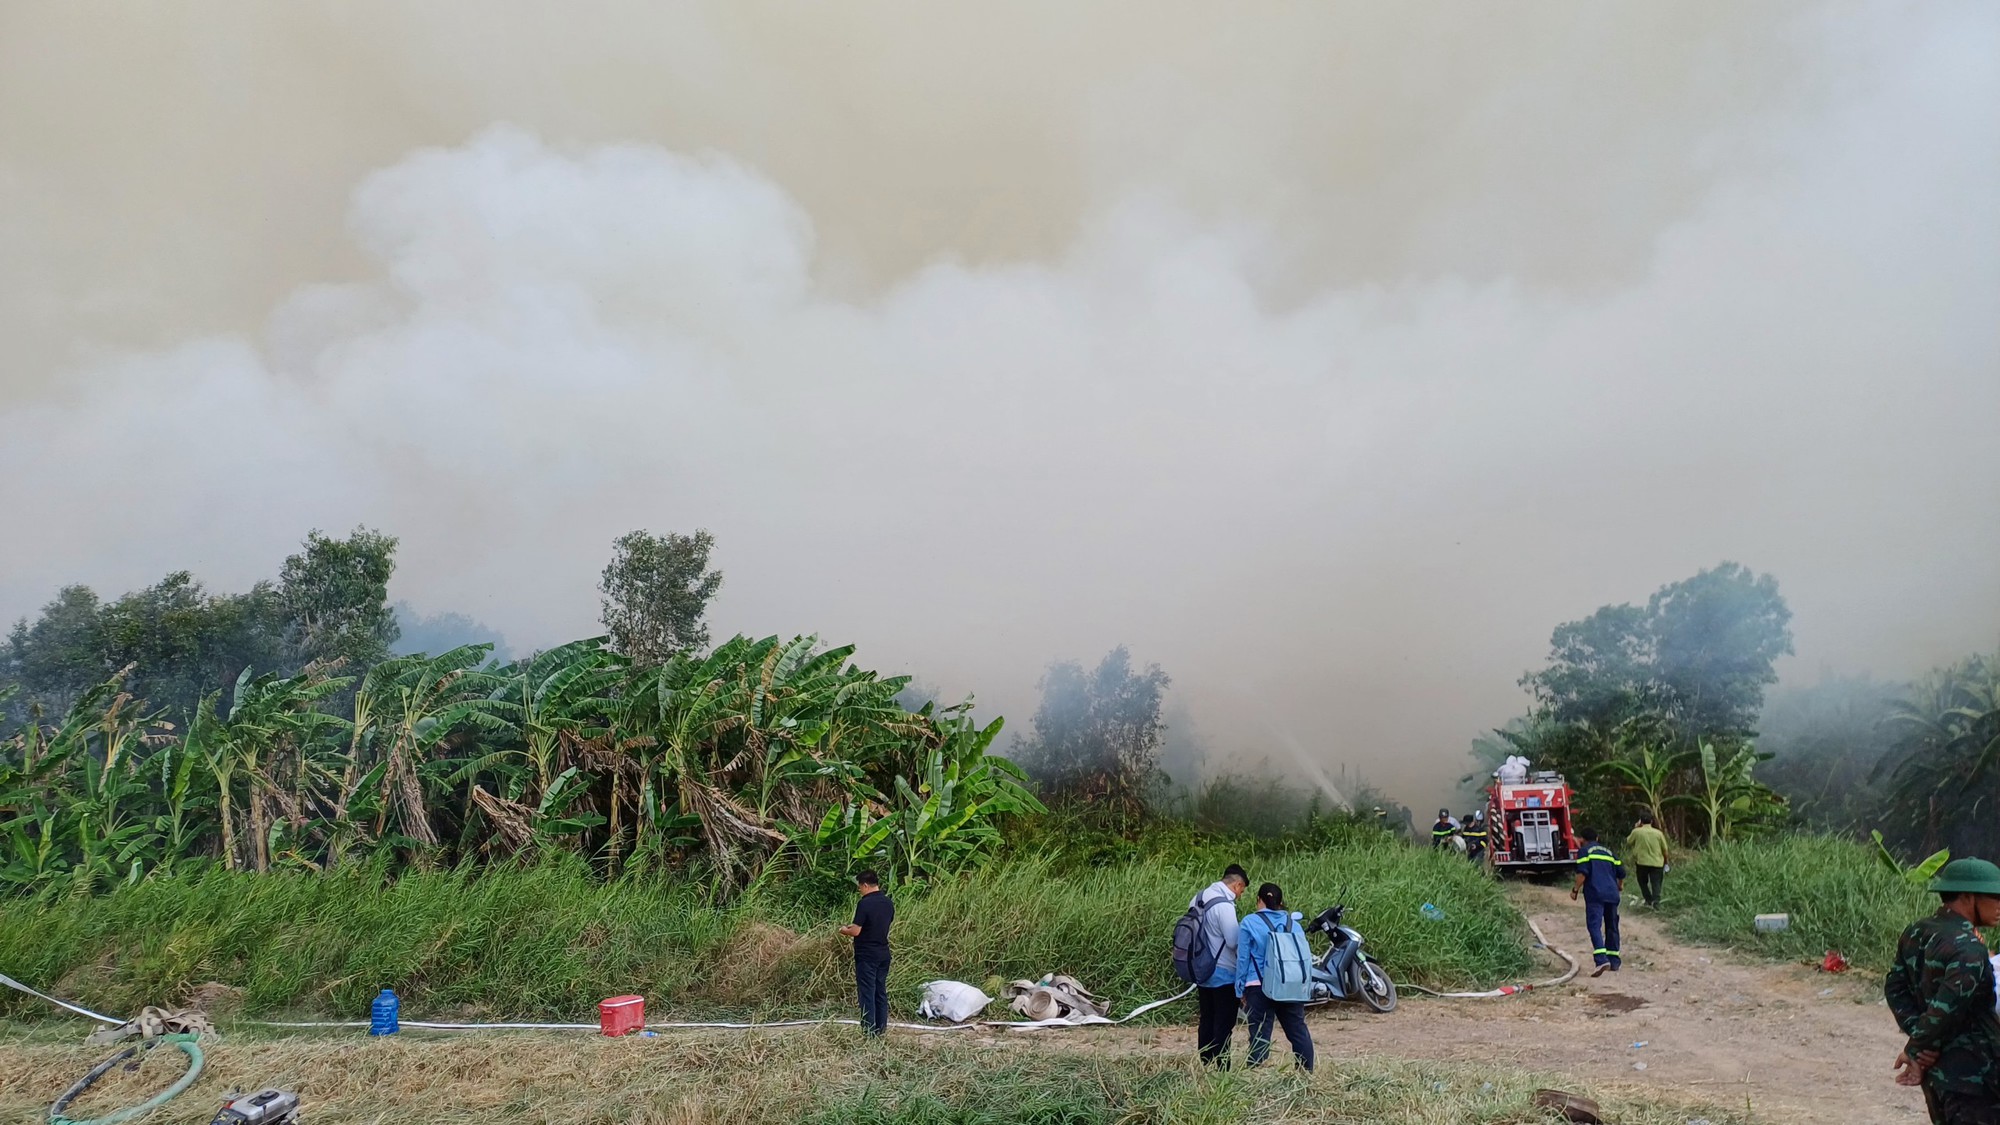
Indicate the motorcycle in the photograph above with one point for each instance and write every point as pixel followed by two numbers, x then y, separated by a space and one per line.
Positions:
pixel 1344 971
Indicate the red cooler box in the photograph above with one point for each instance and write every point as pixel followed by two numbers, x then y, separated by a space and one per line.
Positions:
pixel 621 1015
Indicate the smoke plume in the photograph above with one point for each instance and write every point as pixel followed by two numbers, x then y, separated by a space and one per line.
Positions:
pixel 1326 355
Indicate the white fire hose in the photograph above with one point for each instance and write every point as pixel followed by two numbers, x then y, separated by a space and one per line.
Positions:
pixel 1019 1025
pixel 1024 1025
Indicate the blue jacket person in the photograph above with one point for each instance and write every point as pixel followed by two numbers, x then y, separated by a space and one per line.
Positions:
pixel 1600 876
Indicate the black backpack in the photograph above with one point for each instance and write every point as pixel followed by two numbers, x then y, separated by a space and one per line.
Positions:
pixel 1194 962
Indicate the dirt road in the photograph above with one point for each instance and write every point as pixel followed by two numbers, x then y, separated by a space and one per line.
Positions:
pixel 1796 1044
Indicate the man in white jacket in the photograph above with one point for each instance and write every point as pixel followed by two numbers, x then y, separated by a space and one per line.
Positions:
pixel 1217 995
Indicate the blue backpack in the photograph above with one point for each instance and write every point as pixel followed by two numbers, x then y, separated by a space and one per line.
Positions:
pixel 1287 963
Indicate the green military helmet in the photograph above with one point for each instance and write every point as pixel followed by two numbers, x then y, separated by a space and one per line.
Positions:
pixel 1963 876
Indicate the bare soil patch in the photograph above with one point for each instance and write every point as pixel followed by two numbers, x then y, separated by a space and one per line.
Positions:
pixel 1615 1002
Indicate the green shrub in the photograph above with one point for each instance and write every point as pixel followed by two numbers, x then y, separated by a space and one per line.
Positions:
pixel 1839 896
pixel 1073 838
pixel 548 943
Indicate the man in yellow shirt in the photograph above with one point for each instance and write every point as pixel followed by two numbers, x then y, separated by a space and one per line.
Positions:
pixel 1646 850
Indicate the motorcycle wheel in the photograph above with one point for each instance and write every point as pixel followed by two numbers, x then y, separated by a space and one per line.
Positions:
pixel 1377 990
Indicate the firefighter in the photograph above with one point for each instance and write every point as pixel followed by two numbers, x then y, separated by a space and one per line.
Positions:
pixel 1940 990
pixel 1474 831
pixel 1600 876
pixel 1443 830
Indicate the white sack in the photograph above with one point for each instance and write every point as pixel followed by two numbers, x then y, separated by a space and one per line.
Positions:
pixel 952 1000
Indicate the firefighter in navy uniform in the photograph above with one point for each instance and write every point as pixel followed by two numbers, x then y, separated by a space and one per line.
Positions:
pixel 1443 830
pixel 1599 877
pixel 1473 828
pixel 1940 989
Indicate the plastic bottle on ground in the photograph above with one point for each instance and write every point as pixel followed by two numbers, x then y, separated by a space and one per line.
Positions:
pixel 383 1014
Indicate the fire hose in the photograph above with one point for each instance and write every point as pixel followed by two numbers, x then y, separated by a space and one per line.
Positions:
pixel 1023 1025
pixel 662 1026
pixel 186 1043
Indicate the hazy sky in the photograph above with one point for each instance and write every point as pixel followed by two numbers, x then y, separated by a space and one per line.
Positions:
pixel 1326 353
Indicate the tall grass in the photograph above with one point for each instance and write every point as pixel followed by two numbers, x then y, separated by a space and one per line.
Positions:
pixel 1109 926
pixel 548 943
pixel 534 942
pixel 1839 896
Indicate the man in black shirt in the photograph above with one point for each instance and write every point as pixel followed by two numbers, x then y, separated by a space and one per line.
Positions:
pixel 870 931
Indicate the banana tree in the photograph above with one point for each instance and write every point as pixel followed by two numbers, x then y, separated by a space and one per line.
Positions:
pixel 428 700
pixel 176 766
pixel 274 738
pixel 35 798
pixel 32 862
pixel 943 822
pixel 1729 797
pixel 526 830
pixel 1647 767
pixel 723 758
pixel 749 742
pixel 101 803
pixel 815 726
pixel 206 742
pixel 356 801
pixel 696 704
pixel 557 701
pixel 1947 738
pixel 1919 873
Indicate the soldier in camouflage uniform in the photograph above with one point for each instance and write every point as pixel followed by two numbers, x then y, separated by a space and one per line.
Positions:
pixel 1941 991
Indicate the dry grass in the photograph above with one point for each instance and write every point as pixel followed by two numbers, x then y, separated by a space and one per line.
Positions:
pixel 811 1075
pixel 760 954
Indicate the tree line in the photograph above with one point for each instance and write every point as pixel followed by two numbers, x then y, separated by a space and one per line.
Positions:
pixel 172 730
pixel 1664 707
pixel 1914 761
pixel 181 642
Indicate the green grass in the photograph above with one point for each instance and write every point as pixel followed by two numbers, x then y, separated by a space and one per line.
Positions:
pixel 549 943
pixel 813 1076
pixel 1838 894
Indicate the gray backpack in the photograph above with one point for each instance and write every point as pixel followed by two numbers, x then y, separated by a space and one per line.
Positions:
pixel 1194 961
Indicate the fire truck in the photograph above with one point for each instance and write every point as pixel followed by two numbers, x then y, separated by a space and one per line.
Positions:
pixel 1528 826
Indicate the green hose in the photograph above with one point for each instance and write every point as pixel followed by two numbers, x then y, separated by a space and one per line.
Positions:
pixel 189 1046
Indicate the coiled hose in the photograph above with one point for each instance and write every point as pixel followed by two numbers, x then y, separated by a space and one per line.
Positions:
pixel 189 1047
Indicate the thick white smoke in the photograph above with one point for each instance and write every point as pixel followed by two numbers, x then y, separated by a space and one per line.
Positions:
pixel 1347 507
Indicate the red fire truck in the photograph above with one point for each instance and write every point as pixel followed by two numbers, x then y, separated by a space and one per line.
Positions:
pixel 1528 827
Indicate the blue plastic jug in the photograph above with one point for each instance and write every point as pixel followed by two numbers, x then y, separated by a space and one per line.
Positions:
pixel 1432 912
pixel 382 1014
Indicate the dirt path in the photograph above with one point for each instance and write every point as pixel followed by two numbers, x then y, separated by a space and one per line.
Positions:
pixel 1797 1044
